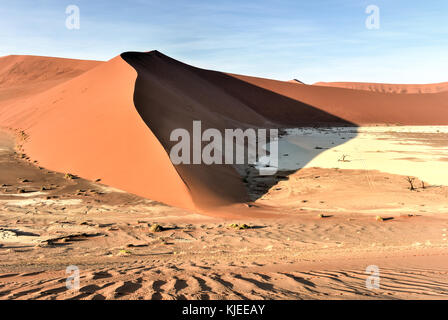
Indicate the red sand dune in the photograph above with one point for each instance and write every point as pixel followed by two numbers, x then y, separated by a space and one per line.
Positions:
pixel 296 81
pixel 89 126
pixel 113 121
pixel 170 95
pixel 364 107
pixel 387 87
pixel 22 76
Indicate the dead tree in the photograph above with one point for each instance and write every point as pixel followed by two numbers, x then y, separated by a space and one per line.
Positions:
pixel 411 183
pixel 343 159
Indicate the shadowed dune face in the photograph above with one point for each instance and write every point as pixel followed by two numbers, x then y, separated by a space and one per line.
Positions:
pixel 170 95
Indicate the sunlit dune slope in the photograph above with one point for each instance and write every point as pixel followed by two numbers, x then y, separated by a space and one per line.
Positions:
pixel 23 76
pixel 389 88
pixel 89 126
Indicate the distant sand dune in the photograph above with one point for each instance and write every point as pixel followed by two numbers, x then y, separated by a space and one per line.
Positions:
pixel 364 107
pixel 22 76
pixel 388 88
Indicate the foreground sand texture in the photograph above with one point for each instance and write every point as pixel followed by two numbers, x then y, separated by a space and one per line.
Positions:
pixel 341 201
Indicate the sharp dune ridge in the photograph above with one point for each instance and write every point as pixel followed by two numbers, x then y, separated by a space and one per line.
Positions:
pixel 170 94
pixel 112 120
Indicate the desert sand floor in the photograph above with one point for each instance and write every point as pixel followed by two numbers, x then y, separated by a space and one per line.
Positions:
pixel 416 151
pixel 319 242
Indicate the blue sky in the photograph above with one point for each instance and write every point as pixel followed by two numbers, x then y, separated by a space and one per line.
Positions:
pixel 319 40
